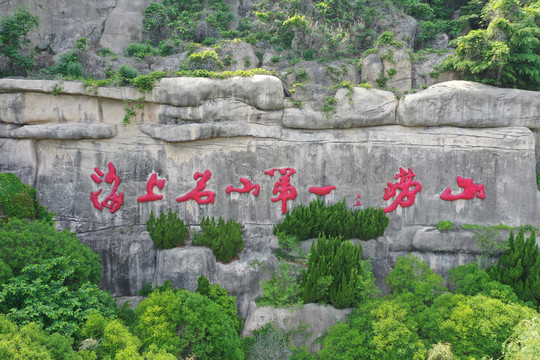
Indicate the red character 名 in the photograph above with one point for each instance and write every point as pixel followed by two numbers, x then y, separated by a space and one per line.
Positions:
pixel 406 196
pixel 283 187
pixel 470 190
pixel 114 201
pixel 197 194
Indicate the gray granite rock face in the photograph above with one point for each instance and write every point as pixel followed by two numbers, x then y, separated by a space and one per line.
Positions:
pixel 242 128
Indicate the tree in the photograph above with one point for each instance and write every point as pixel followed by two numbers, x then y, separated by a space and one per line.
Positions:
pixel 185 323
pixel 524 344
pixel 507 52
pixel 40 295
pixel 519 267
pixel 24 242
pixel 14 30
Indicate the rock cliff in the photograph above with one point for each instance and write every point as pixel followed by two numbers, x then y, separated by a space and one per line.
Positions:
pixel 66 142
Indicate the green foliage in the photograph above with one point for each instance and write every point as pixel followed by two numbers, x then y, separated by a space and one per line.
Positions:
pixel 275 59
pixel 225 74
pixel 146 83
pixel 471 280
pixel 224 238
pixel 506 53
pixel 475 325
pixel 69 65
pixel 104 52
pixel 221 297
pixel 519 267
pixel 81 43
pixel 184 323
pixel 307 222
pixel 268 343
pixel 524 344
pixel 187 20
pixel 167 231
pixel 14 31
pixel 41 295
pixel 125 74
pixel 140 51
pixel 145 290
pixel 30 342
pixel 24 242
pixel 445 225
pixel 387 38
pixel 204 60
pixel 441 351
pixel 20 200
pixel 336 274
pixel 413 275
pixel 282 290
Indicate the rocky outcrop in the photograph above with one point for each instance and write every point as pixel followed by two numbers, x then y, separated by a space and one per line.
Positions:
pixel 244 128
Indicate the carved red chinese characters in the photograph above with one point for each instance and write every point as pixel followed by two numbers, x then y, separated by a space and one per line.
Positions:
pixel 283 187
pixel 406 196
pixel 323 190
pixel 358 200
pixel 197 194
pixel 248 186
pixel 150 196
pixel 470 190
pixel 114 201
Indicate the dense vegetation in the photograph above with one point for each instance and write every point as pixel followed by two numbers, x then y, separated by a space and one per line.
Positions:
pixel 493 41
pixel 224 238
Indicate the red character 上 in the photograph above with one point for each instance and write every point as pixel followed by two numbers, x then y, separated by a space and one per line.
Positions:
pixel 283 187
pixel 197 194
pixel 406 196
pixel 150 196
pixel 114 201
pixel 470 190
pixel 248 186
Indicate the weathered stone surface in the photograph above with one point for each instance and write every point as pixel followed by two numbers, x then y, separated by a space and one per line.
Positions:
pixel 400 62
pixel 241 54
pixel 402 240
pixel 261 91
pixel 430 239
pixel 19 157
pixel 76 131
pixel 372 68
pixel 219 110
pixel 469 104
pixel 124 25
pixel 359 108
pixel 182 266
pixel 375 249
pixel 62 22
pixel 191 132
pixel 35 108
pixel 319 318
pixel 422 69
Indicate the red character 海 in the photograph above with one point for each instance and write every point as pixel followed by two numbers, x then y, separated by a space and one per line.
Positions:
pixel 114 201
pixel 406 196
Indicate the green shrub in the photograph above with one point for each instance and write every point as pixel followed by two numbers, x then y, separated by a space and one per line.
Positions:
pixel 336 274
pixel 224 238
pixel 519 266
pixel 471 280
pixel 525 341
pixel 413 275
pixel 204 60
pixel 282 290
pixel 69 65
pixel 185 323
pixel 140 51
pixel 445 225
pixel 221 297
pixel 476 326
pixel 167 231
pixel 24 242
pixel 14 30
pixel 307 222
pixel 125 74
pixel 44 294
